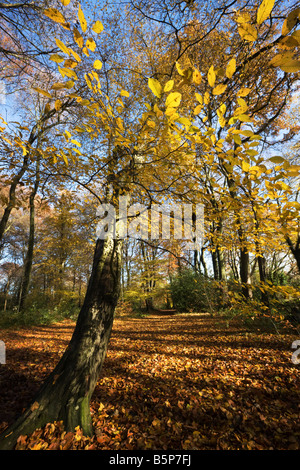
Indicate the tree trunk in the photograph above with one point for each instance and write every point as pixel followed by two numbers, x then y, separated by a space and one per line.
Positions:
pixel 149 304
pixel 244 272
pixel 196 262
pixel 6 293
pixel 215 264
pixel 244 254
pixel 221 265
pixel 261 260
pixel 29 255
pixel 202 260
pixel 12 196
pixel 66 393
pixel 295 249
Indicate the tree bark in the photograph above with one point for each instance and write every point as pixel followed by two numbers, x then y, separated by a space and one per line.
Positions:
pixel 215 264
pixel 295 249
pixel 244 271
pixel 202 260
pixel 66 393
pixel 12 195
pixel 29 255
pixel 244 254
pixel 261 261
pixel 149 304
pixel 221 265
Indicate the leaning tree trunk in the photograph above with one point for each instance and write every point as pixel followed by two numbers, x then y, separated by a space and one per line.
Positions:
pixel 12 195
pixel 66 393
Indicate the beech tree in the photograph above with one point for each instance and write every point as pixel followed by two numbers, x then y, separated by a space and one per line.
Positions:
pixel 139 149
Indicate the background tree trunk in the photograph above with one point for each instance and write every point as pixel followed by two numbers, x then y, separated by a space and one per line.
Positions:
pixel 12 195
pixel 244 271
pixel 29 255
pixel 295 249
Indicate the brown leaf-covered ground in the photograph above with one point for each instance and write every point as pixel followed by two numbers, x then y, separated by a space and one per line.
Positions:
pixel 169 382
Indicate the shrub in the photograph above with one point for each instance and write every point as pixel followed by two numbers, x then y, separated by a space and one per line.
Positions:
pixel 192 292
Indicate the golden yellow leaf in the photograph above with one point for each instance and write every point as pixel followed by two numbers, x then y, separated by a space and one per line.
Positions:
pixel 157 111
pixel 97 64
pixel 264 10
pixel 42 92
pixel 171 112
pixel 199 98
pixel 222 121
pixel 155 87
pixel 65 159
pixel 211 76
pixel 56 58
pixel 231 68
pixel 252 152
pixel 55 15
pixel 293 66
pixel 62 46
pixel 65 2
pixel 243 18
pixel 120 123
pixel 86 51
pixel 66 72
pixel 90 44
pixel 88 82
pixel 70 63
pixel 296 34
pixel 57 105
pixel 244 118
pixel 78 38
pixel 75 55
pixel 290 21
pixel 179 69
pixel 151 123
pixel 247 32
pixel 198 109
pixel 237 139
pixel 124 93
pixel 244 91
pixel 277 159
pixel 173 100
pixel 76 142
pixel 222 109
pixel 286 62
pixel 97 27
pixel 58 86
pixel 243 105
pixel 169 85
pixel 289 42
pixel 197 78
pixel 82 19
pixel 245 166
pixel 246 133
pixel 219 89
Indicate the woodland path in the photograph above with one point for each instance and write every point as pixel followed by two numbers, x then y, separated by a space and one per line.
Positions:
pixel 169 382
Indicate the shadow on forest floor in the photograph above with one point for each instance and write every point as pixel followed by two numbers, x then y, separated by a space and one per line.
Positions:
pixel 170 382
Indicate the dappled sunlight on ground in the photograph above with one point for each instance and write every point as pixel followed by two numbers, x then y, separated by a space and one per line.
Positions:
pixel 168 382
